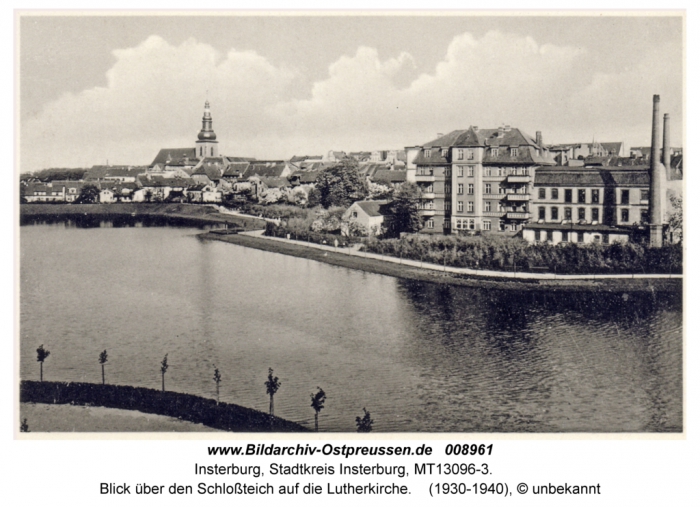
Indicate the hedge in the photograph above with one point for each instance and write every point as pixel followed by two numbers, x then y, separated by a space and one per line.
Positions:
pixel 223 416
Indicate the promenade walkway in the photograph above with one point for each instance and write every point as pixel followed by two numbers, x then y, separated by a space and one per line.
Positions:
pixel 354 251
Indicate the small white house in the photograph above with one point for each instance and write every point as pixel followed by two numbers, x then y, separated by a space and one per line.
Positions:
pixel 373 216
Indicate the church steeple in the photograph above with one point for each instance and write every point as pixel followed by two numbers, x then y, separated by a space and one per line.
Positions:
pixel 207 145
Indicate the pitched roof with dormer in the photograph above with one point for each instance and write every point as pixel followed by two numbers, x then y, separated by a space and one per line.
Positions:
pixel 271 169
pixel 176 157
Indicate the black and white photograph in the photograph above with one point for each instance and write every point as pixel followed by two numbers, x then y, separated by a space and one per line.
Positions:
pixel 374 223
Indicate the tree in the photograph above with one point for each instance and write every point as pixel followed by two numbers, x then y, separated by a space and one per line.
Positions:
pixel 272 384
pixel 88 194
pixel 217 379
pixel 163 369
pixel 41 355
pixel 103 360
pixel 314 198
pixel 675 219
pixel 341 185
pixel 364 423
pixel 405 209
pixel 317 401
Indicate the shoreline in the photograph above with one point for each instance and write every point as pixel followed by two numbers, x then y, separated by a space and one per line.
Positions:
pixel 409 272
pixel 183 214
pixel 203 215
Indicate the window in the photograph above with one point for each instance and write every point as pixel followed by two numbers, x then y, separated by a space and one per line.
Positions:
pixel 470 154
pixel 582 213
pixel 460 188
pixel 429 189
pixel 448 172
pixel 543 193
pixel 448 206
pixel 625 197
pixel 444 152
pixel 448 188
pixel 487 188
pixel 487 225
pixel 541 213
pixel 550 235
pixel 487 206
pixel 644 196
pixel 471 224
pixel 554 213
pixel 606 239
pixel 460 155
pixel 354 214
pixel 470 189
pixel 595 196
pixel 579 237
pixel 212 151
pixel 567 213
pixel 427 153
pixel 644 216
pixel 565 236
pixel 625 215
pixel 555 193
pixel 470 171
pixel 595 214
pixel 494 152
pixel 430 224
pixel 582 195
pixel 470 206
pixel 568 195
pixel 460 206
pixel 460 172
pixel 514 152
pixel 487 171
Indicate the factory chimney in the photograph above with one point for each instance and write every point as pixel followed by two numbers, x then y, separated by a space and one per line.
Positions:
pixel 657 175
pixel 666 150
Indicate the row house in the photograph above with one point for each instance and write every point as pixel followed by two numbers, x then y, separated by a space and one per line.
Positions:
pixel 53 191
pixel 477 179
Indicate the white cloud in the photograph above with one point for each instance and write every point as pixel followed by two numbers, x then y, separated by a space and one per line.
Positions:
pixel 155 92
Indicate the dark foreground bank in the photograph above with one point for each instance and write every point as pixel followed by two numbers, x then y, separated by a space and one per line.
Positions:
pixel 428 275
pixel 169 214
pixel 187 407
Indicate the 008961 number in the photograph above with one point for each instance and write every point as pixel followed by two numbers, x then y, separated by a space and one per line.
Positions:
pixel 468 449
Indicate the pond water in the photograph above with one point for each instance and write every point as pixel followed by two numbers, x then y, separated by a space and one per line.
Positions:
pixel 421 357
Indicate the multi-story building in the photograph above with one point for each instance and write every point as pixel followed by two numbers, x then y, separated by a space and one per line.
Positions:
pixel 477 179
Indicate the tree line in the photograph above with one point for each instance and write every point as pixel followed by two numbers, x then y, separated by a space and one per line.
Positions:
pixel 272 385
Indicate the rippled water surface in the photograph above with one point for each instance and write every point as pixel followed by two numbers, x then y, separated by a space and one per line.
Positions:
pixel 418 356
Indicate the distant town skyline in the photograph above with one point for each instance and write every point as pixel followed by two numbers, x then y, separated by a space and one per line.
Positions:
pixel 119 88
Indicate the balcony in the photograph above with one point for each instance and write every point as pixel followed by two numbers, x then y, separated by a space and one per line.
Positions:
pixel 424 178
pixel 518 179
pixel 427 195
pixel 493 214
pixel 427 212
pixel 493 196
pixel 518 215
pixel 517 197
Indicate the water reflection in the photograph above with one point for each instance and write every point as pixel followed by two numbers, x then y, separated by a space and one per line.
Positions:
pixel 419 356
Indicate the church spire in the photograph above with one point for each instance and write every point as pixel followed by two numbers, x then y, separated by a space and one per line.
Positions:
pixel 207 145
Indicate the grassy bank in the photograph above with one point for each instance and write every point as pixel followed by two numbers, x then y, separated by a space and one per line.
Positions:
pixel 195 409
pixel 175 214
pixel 416 273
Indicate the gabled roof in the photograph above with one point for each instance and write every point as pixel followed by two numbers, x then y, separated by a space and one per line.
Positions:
pixel 375 208
pixel 483 137
pixel 236 169
pixel 98 172
pixel 176 156
pixel 211 167
pixel 273 182
pixel 161 181
pixel 272 169
pixel 305 177
pixel 612 148
pixel 389 176
pixel 368 170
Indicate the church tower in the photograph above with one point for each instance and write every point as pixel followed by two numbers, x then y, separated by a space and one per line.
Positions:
pixel 207 145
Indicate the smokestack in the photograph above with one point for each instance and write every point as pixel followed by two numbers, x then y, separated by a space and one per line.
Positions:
pixel 667 142
pixel 538 138
pixel 656 197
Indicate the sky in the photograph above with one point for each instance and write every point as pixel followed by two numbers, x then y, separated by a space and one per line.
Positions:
pixel 116 89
